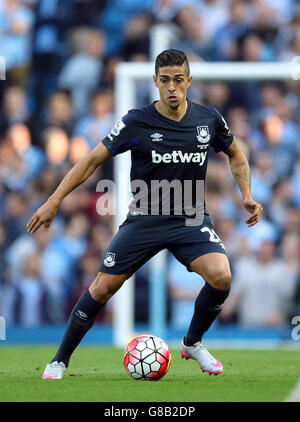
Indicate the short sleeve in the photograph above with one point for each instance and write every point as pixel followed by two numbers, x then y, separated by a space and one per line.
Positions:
pixel 223 137
pixel 123 136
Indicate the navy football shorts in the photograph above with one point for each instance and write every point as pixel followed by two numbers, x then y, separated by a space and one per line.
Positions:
pixel 140 237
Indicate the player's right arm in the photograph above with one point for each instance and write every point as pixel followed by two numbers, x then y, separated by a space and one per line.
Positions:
pixel 75 177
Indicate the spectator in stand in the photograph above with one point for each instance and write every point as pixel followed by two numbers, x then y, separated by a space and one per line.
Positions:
pixel 26 296
pixel 263 177
pixel 265 26
pixel 16 23
pixel 107 81
pixel 225 226
pixel 292 223
pixel 53 20
pixel 59 112
pixel 22 247
pixel 20 161
pixel 280 201
pixel 136 37
pixel 81 72
pixel 114 18
pixel 194 37
pixel 15 110
pixel 261 292
pixel 165 11
pixel 215 13
pixel 95 125
pixel 292 41
pixel 58 254
pixel 14 215
pixel 66 249
pixel 227 37
pixel 290 252
pixel 56 144
pixel 217 94
pixel 279 141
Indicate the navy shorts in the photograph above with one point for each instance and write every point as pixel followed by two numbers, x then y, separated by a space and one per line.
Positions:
pixel 140 237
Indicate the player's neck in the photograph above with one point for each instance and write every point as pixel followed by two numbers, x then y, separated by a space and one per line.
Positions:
pixel 171 113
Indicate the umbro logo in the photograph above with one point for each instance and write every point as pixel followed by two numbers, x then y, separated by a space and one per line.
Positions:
pixel 156 137
pixel 82 315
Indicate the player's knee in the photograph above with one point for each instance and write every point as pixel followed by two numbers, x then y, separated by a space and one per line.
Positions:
pixel 220 279
pixel 105 286
pixel 101 293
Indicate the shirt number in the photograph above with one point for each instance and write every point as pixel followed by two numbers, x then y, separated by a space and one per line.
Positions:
pixel 213 237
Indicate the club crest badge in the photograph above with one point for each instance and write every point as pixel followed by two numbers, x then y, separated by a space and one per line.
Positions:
pixel 109 260
pixel 203 134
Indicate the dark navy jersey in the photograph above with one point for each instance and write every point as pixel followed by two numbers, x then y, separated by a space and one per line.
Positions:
pixel 169 150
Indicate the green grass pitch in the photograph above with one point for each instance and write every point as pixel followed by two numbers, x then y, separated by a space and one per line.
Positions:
pixel 96 374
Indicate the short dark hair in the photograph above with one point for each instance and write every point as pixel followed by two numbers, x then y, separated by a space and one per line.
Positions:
pixel 172 57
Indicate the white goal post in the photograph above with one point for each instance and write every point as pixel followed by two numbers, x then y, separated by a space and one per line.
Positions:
pixel 126 76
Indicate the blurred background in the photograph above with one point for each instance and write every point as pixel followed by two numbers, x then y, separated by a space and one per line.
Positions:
pixel 57 103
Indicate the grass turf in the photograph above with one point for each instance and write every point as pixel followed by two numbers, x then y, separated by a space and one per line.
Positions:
pixel 96 374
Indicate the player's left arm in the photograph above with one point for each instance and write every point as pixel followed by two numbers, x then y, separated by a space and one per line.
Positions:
pixel 241 172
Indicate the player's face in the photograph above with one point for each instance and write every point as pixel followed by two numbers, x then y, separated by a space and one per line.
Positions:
pixel 172 83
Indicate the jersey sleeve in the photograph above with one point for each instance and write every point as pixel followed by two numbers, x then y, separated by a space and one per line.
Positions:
pixel 223 137
pixel 123 136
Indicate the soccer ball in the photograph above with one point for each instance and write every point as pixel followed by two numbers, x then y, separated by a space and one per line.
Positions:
pixel 147 358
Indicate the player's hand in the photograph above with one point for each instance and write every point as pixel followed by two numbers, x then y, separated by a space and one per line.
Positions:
pixel 43 216
pixel 255 209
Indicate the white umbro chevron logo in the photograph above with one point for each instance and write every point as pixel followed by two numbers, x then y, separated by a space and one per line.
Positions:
pixel 156 137
pixel 81 314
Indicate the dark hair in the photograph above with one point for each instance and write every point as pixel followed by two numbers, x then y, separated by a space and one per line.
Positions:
pixel 172 58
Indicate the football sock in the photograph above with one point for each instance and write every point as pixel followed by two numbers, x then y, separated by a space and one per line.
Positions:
pixel 82 318
pixel 208 305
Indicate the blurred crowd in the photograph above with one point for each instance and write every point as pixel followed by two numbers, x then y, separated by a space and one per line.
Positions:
pixel 57 103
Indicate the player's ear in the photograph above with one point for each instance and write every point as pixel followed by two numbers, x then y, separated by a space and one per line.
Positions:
pixel 189 80
pixel 155 80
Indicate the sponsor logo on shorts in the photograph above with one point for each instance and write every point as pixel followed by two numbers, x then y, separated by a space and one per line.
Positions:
pixel 109 260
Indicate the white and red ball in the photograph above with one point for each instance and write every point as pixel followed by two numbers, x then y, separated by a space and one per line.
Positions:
pixel 147 357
